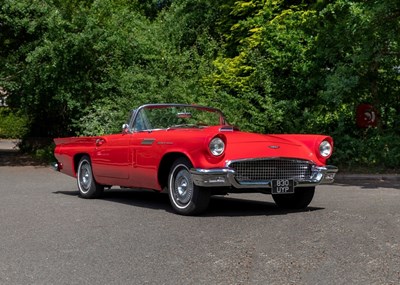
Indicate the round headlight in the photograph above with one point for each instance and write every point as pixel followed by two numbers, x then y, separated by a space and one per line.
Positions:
pixel 217 146
pixel 325 149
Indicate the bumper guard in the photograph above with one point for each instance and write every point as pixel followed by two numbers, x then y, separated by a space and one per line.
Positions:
pixel 225 177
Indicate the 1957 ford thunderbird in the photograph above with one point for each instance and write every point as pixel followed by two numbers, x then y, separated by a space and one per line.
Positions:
pixel 191 152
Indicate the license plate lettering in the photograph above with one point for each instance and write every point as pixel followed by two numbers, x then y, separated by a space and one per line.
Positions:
pixel 282 186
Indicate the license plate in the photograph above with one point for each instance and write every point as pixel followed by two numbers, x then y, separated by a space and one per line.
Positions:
pixel 282 186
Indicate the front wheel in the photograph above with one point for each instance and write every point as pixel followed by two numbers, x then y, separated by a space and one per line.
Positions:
pixel 88 187
pixel 186 198
pixel 299 200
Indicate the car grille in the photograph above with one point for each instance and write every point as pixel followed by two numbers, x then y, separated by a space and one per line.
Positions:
pixel 259 170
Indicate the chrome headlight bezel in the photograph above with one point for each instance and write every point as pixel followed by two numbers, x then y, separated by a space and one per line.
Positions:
pixel 216 146
pixel 325 149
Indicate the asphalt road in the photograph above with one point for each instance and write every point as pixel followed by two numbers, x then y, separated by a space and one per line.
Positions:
pixel 350 234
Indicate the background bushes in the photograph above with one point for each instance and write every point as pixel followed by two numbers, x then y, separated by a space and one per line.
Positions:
pixel 12 125
pixel 76 67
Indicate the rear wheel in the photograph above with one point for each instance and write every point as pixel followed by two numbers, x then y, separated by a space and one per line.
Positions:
pixel 301 198
pixel 88 187
pixel 186 198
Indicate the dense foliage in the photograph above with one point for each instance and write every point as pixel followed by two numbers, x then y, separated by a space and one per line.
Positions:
pixel 12 125
pixel 76 67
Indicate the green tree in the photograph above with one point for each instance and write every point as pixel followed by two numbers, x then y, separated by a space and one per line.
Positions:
pixel 78 66
pixel 358 51
pixel 266 65
pixel 86 54
pixel 63 60
pixel 358 57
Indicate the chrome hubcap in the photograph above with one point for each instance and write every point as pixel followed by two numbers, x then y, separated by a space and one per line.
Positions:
pixel 183 187
pixel 85 177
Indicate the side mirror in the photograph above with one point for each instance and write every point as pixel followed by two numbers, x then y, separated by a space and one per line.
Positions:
pixel 125 129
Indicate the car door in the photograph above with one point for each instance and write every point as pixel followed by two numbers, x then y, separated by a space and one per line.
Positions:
pixel 112 156
pixel 145 158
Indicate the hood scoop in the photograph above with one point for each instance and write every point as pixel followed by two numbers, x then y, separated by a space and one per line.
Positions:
pixel 228 129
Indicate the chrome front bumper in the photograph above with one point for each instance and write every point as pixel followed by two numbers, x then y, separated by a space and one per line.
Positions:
pixel 225 177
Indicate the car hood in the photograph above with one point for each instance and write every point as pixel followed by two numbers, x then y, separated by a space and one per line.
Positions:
pixel 238 137
pixel 242 145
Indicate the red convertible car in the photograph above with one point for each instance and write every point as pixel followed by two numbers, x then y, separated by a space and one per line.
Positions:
pixel 191 152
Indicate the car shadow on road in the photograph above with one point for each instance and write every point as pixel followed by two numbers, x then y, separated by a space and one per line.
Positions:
pixel 219 205
pixel 227 206
pixel 132 197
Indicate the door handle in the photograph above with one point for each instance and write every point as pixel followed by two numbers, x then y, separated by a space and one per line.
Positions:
pixel 100 142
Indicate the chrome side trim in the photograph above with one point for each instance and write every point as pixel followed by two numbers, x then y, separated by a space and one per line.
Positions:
pixel 148 141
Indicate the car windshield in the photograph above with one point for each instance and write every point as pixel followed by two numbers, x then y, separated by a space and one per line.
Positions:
pixel 152 117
